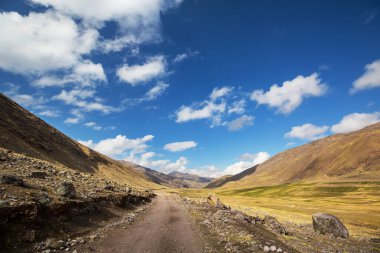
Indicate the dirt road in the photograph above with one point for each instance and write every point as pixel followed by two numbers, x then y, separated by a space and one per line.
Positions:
pixel 166 227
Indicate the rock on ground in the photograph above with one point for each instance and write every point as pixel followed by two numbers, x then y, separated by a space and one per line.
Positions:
pixel 273 224
pixel 328 224
pixel 67 190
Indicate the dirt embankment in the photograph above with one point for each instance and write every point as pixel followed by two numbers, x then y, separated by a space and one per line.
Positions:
pixel 42 201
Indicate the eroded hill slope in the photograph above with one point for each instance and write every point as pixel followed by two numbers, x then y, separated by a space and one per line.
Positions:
pixel 23 132
pixel 352 156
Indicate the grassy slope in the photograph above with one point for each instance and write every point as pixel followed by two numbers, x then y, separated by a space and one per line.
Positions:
pixel 357 204
pixel 339 174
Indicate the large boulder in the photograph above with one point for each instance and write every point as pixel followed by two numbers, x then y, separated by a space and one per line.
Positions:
pixel 67 190
pixel 328 224
pixel 13 180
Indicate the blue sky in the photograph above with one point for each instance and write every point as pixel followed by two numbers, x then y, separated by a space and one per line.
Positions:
pixel 208 87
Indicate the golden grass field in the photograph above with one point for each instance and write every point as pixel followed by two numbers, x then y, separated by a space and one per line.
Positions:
pixel 357 204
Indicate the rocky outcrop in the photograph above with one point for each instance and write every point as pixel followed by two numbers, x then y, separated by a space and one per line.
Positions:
pixel 328 224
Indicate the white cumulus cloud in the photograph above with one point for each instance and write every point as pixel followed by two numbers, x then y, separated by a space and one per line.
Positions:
pixel 237 107
pixel 220 92
pixel 180 146
pixel 206 110
pixel 137 74
pixel 163 165
pixel 79 98
pixel 355 121
pixel 138 21
pixel 247 161
pixel 85 73
pixel 93 125
pixel 240 122
pixel 307 132
pixel 49 113
pixel 40 42
pixel 72 121
pixel 290 95
pixel 120 145
pixel 370 79
pixel 156 91
pixel 180 57
pixel 218 108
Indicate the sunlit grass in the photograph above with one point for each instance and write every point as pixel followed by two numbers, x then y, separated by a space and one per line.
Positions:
pixel 357 204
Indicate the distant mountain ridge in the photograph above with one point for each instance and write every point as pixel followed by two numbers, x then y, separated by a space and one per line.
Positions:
pixel 158 177
pixel 172 179
pixel 352 156
pixel 194 181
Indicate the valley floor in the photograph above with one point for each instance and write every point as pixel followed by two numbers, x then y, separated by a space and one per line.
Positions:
pixel 182 220
pixel 357 204
pixel 180 224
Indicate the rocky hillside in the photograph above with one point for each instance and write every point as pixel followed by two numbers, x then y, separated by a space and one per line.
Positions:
pixel 158 177
pixel 353 156
pixel 194 181
pixel 23 132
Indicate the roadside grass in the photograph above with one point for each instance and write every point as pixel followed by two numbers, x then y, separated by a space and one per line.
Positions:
pixel 357 204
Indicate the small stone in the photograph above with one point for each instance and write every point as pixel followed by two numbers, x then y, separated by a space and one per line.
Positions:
pixel 206 222
pixel 279 250
pixel 273 248
pixel 109 187
pixel 38 174
pixel 54 244
pixel 131 217
pixel 266 249
pixel 239 216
